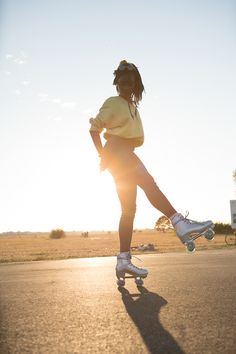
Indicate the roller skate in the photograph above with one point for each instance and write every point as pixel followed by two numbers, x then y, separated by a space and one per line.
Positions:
pixel 189 230
pixel 124 266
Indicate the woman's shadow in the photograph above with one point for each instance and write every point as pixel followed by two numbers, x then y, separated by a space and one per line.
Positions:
pixel 144 308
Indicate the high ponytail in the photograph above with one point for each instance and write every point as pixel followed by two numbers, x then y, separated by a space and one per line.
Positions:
pixel 125 67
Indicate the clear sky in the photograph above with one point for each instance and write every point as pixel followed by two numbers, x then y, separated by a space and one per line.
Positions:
pixel 56 69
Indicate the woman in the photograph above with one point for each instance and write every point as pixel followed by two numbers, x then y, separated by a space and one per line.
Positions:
pixel 120 118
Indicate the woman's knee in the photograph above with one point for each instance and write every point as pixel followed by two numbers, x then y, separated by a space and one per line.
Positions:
pixel 128 213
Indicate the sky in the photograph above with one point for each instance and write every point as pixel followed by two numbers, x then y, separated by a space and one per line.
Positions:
pixel 56 69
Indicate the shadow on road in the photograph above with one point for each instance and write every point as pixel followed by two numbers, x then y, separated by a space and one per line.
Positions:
pixel 144 308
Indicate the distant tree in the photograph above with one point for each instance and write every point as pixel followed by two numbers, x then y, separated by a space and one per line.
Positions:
pixel 221 228
pixel 234 176
pixel 57 233
pixel 163 224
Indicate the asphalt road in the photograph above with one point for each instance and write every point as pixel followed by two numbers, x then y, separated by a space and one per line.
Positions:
pixel 187 305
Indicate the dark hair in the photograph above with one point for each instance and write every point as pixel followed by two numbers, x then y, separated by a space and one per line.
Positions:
pixel 122 69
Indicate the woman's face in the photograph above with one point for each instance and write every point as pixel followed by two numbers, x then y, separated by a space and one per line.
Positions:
pixel 126 84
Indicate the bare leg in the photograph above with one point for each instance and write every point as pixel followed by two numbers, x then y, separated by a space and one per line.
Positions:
pixel 127 192
pixel 158 199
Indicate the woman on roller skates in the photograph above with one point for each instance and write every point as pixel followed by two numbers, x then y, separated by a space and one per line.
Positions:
pixel 120 118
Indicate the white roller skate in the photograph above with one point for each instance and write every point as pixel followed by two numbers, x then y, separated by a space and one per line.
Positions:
pixel 124 266
pixel 189 230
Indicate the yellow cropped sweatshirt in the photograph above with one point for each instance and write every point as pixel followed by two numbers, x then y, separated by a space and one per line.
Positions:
pixel 120 118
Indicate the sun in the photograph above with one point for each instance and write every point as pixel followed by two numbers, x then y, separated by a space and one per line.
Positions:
pixel 96 201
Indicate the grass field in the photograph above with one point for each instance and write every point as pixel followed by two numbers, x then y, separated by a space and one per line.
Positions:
pixel 39 246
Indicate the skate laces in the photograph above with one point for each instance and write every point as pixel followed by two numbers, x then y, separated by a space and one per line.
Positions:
pixel 183 218
pixel 134 266
pixel 136 258
pixel 189 221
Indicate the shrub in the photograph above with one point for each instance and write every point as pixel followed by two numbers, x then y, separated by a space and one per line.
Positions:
pixel 57 233
pixel 85 234
pixel 221 228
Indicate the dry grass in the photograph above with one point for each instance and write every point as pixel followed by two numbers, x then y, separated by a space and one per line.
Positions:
pixel 31 247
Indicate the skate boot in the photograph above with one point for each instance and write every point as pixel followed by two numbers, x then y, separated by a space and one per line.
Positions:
pixel 189 230
pixel 124 266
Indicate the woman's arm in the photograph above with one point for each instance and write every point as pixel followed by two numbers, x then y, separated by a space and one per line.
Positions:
pixel 97 141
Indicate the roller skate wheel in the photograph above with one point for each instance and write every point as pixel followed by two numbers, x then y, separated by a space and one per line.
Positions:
pixel 120 282
pixel 139 282
pixel 209 235
pixel 190 246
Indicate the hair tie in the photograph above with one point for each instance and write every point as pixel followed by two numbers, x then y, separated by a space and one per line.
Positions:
pixel 122 62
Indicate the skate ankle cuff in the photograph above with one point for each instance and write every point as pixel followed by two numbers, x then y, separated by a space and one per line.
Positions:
pixel 173 216
pixel 124 255
pixel 177 216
